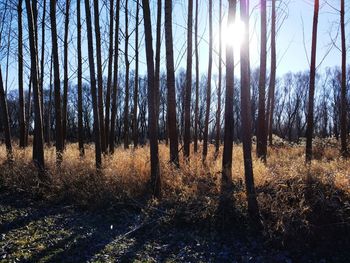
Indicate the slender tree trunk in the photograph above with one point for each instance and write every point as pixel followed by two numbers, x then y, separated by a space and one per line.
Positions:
pixel 57 83
pixel 48 121
pixel 187 102
pixel 127 66
pixel 136 84
pixel 157 58
pixel 28 112
pixel 171 94
pixel 22 122
pixel 195 137
pixel 110 75
pixel 42 71
pixel 80 85
pixel 99 75
pixel 310 114
pixel 218 113
pixel 261 146
pixel 343 118
pixel 5 120
pixel 207 112
pixel 65 73
pixel 38 147
pixel 98 152
pixel 272 84
pixel 115 80
pixel 152 111
pixel 226 184
pixel 246 116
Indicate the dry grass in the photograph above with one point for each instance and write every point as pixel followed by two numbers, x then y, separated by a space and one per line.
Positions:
pixel 295 201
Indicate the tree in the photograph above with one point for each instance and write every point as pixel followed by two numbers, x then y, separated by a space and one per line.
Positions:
pixel 171 95
pixel 5 119
pixel 310 112
pixel 127 67
pixel 228 136
pixel 195 137
pixel 157 57
pixel 22 121
pixel 152 111
pixel 207 112
pixel 80 84
pixel 99 74
pixel 246 115
pixel 115 80
pixel 57 89
pixel 42 71
pixel 136 84
pixel 218 113
pixel 65 73
pixel 272 83
pixel 98 159
pixel 343 118
pixel 187 132
pixel 261 146
pixel 38 146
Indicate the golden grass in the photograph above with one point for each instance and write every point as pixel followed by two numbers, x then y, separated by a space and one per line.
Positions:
pixel 289 204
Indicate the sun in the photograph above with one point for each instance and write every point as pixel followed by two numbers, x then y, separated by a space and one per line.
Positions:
pixel 232 35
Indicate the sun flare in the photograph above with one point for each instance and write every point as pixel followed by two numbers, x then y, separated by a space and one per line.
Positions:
pixel 232 34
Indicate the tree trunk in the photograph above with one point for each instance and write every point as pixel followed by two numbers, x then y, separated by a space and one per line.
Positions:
pixel 42 71
pixel 195 137
pixel 48 121
pixel 22 122
pixel 99 75
pixel 80 85
pixel 98 157
pixel 272 84
pixel 57 82
pixel 207 112
pixel 157 58
pixel 127 66
pixel 171 94
pixel 152 120
pixel 310 115
pixel 38 146
pixel 115 80
pixel 343 118
pixel 136 84
pixel 109 78
pixel 246 116
pixel 218 113
pixel 187 102
pixel 5 120
pixel 261 146
pixel 226 183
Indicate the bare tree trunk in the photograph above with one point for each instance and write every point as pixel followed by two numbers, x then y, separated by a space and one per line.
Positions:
pixel 246 116
pixel 152 111
pixel 57 82
pixel 310 114
pixel 80 85
pixel 65 73
pixel 28 112
pixel 207 112
pixel 22 122
pixel 42 71
pixel 127 66
pixel 48 121
pixel 226 183
pixel 98 157
pixel 115 80
pixel 38 147
pixel 171 94
pixel 195 137
pixel 109 78
pixel 343 118
pixel 157 57
pixel 272 84
pixel 5 120
pixel 99 75
pixel 218 113
pixel 136 84
pixel 261 146
pixel 187 102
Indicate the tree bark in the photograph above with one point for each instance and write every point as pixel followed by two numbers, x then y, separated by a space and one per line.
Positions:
pixel 171 94
pixel 218 113
pixel 5 120
pixel 195 137
pixel 42 71
pixel 187 102
pixel 136 84
pixel 157 57
pixel 310 115
pixel 127 66
pixel 152 111
pixel 98 157
pixel 80 84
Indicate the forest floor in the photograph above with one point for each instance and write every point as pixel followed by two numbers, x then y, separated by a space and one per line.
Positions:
pixel 82 216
